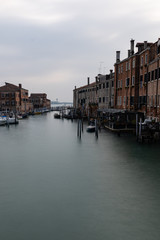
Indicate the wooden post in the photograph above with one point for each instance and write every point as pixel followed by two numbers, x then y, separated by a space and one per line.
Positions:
pixel 136 125
pixel 78 128
pixel 96 129
pixel 7 121
pixel 15 116
pixel 140 127
pixel 80 125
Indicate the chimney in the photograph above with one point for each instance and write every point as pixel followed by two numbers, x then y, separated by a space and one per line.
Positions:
pixel 88 80
pixel 96 79
pixel 111 71
pixel 129 53
pixel 117 56
pixel 145 44
pixel 75 87
pixel 20 85
pixel 132 47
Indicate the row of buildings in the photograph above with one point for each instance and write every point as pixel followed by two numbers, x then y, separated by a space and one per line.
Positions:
pixel 15 98
pixel 133 86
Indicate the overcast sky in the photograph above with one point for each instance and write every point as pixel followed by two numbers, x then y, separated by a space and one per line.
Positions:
pixel 53 45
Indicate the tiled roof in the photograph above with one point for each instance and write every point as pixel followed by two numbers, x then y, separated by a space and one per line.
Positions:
pixel 38 94
pixel 86 86
pixel 10 88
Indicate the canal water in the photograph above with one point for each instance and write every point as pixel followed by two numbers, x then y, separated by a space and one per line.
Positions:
pixel 55 186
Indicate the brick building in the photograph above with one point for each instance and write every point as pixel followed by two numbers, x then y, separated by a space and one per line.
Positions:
pixel 40 101
pixel 137 86
pixel 14 98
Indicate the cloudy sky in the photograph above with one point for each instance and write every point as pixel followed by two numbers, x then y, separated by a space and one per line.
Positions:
pixel 53 45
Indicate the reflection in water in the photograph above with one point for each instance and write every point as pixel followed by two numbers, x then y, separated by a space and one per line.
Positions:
pixel 55 186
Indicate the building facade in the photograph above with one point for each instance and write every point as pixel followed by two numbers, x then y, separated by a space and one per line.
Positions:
pixel 105 90
pixel 137 86
pixel 99 94
pixel 40 101
pixel 14 98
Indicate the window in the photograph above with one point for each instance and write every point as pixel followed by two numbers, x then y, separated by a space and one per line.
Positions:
pixel 122 69
pixel 149 78
pixel 152 77
pixel 99 100
pixel 131 100
pixel 133 63
pixel 112 83
pixel 124 100
pixel 141 60
pixel 126 66
pixel 129 66
pixel 119 69
pixel 107 84
pixel 133 80
pixel 99 86
pixel 121 83
pixel 120 100
pixel 146 58
pixel 103 85
pixel 118 83
pixel 145 77
pixel 156 73
pixel 127 82
pixel 141 81
pixel 103 99
pixel 2 95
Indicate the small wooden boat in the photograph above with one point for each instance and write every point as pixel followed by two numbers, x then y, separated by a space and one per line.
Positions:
pixel 57 115
pixel 22 116
pixel 91 127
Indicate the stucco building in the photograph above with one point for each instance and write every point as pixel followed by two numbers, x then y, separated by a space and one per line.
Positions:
pixel 98 94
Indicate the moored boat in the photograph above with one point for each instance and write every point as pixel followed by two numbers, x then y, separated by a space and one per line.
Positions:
pixel 2 121
pixel 57 115
pixel 91 127
pixel 12 120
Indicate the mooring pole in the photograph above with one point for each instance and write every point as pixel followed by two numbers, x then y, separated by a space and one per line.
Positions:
pixel 78 128
pixel 136 125
pixel 96 129
pixel 80 124
pixel 140 127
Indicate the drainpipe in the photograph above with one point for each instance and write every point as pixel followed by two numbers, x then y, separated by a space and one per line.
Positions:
pixel 157 85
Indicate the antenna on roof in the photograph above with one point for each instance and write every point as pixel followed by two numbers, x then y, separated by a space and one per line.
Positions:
pixel 100 67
